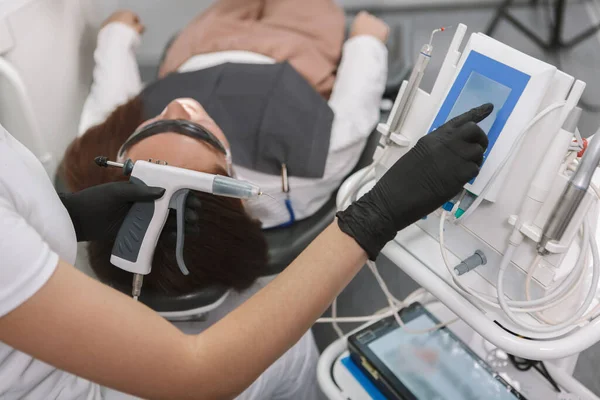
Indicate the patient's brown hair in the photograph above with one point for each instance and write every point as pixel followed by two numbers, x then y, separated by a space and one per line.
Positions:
pixel 225 246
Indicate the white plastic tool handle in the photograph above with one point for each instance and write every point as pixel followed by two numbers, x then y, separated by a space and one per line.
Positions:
pixel 134 247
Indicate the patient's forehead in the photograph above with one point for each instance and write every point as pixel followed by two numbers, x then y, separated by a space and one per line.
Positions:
pixel 179 151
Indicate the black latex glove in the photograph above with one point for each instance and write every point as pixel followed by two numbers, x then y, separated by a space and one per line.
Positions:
pixel 98 212
pixel 431 173
pixel 191 216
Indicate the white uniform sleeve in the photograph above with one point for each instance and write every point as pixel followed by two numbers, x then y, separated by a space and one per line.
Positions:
pixel 292 377
pixel 27 260
pixel 116 74
pixel 357 92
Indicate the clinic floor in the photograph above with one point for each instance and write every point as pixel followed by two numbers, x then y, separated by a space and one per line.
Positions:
pixel 363 296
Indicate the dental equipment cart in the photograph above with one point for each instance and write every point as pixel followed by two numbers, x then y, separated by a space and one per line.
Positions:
pixel 338 380
pixel 514 256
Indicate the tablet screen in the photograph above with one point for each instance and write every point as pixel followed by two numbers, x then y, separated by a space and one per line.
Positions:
pixel 435 366
pixel 479 90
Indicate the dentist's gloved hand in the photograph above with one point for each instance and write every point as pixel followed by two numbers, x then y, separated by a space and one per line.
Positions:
pixel 98 212
pixel 431 173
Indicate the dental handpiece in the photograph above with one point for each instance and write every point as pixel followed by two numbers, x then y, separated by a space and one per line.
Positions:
pixel 136 240
pixel 571 196
pixel 414 82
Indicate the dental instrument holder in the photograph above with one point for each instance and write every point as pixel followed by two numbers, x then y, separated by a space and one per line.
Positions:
pixel 390 131
pixel 398 116
pixel 571 197
pixel 490 226
pixel 136 240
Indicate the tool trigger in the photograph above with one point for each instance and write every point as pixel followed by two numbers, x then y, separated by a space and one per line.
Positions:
pixel 177 203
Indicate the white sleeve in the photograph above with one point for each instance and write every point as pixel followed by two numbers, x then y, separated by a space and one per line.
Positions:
pixel 292 377
pixel 357 92
pixel 116 74
pixel 27 260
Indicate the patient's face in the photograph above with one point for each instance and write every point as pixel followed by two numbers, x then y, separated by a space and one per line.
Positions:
pixel 180 150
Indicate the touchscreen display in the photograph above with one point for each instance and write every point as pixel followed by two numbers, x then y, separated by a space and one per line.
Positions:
pixel 479 90
pixel 434 366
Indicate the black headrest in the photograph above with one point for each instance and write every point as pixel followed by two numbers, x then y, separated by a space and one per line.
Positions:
pixel 161 302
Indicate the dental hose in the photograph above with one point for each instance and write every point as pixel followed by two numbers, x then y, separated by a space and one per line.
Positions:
pixel 555 297
pixel 506 259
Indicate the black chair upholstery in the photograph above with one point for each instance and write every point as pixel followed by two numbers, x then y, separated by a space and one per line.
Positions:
pixel 285 244
pixel 161 302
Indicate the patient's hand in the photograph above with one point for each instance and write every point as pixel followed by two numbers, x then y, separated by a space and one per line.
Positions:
pixel 128 18
pixel 367 24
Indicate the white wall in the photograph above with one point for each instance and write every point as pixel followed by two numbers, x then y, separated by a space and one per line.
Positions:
pixel 50 44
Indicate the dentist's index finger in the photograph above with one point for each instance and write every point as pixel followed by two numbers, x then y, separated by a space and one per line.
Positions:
pixel 476 115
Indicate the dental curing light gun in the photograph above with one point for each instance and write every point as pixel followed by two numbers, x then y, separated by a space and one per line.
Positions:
pixel 135 243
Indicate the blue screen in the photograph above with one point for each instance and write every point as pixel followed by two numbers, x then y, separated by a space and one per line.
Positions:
pixel 484 80
pixel 435 366
pixel 479 90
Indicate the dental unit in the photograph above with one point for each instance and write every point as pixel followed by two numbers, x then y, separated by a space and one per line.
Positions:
pixel 514 254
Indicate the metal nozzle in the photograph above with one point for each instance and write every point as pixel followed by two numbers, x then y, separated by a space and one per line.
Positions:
pixel 442 29
pixel 102 161
pixel 138 280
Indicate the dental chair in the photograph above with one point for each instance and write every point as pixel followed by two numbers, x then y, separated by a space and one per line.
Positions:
pixel 284 244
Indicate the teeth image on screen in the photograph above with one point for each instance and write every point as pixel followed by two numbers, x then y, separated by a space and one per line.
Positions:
pixel 479 90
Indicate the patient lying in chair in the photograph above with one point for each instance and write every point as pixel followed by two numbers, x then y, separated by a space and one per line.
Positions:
pixel 274 84
pixel 242 39
pixel 222 73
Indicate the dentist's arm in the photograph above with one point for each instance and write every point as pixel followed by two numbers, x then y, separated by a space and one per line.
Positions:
pixel 116 72
pixel 89 329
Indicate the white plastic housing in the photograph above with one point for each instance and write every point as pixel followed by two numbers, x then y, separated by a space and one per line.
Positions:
pixel 541 76
pixel 416 250
pixel 172 179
